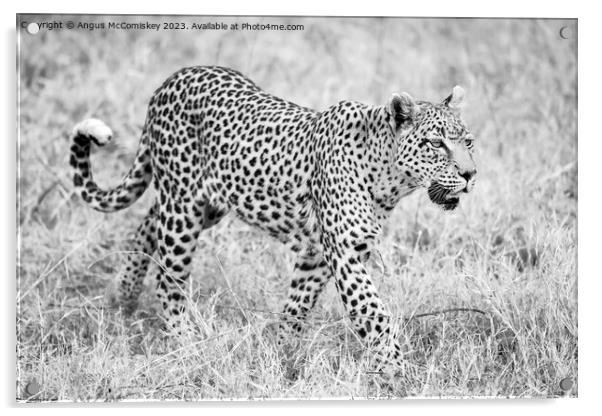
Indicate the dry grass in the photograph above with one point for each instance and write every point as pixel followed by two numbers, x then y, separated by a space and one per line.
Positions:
pixel 509 250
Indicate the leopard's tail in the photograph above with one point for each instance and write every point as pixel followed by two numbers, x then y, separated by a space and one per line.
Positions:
pixel 132 186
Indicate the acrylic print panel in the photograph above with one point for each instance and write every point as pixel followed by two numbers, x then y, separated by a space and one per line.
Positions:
pixel 420 175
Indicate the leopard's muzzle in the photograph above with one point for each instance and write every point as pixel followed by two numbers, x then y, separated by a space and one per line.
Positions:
pixel 444 197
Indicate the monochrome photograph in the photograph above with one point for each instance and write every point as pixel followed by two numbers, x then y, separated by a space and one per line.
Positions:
pixel 216 208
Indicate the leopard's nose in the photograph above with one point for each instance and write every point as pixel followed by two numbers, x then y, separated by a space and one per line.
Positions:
pixel 468 174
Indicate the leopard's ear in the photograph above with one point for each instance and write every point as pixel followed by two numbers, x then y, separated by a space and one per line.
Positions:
pixel 455 101
pixel 403 110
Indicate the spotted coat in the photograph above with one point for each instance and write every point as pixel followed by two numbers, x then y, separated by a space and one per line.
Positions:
pixel 322 182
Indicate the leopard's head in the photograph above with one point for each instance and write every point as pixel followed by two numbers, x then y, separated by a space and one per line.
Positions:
pixel 435 148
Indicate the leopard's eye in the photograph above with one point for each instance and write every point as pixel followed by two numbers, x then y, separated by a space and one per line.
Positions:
pixel 436 143
pixel 469 140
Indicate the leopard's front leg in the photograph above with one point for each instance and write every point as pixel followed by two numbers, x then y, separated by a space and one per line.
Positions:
pixel 368 316
pixel 349 225
pixel 309 277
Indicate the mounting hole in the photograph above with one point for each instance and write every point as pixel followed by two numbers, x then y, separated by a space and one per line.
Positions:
pixel 566 32
pixel 566 383
pixel 33 28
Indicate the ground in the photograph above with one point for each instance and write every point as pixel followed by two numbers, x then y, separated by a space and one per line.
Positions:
pixel 507 254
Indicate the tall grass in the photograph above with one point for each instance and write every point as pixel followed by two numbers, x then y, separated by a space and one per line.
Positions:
pixel 509 250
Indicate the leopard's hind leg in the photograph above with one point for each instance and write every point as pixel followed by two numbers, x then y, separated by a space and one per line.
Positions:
pixel 178 228
pixel 139 250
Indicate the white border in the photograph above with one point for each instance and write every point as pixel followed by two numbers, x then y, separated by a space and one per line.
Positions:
pixel 590 72
pixel 424 8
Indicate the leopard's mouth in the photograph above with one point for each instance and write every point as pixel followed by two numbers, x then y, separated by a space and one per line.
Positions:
pixel 444 197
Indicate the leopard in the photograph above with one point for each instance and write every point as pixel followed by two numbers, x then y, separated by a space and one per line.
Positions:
pixel 324 183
